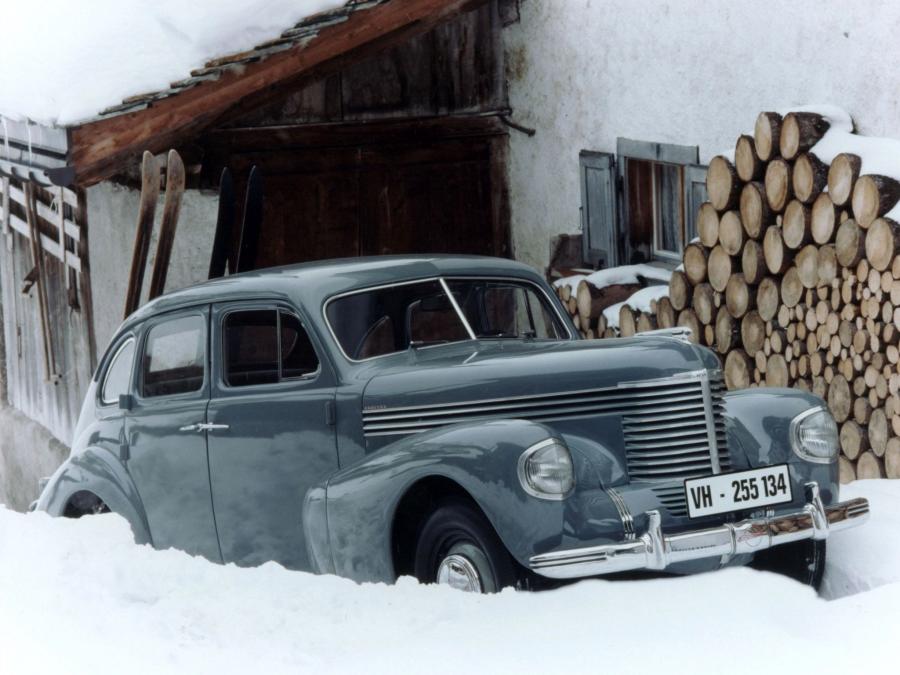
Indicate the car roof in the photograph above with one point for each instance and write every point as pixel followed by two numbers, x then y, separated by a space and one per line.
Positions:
pixel 310 284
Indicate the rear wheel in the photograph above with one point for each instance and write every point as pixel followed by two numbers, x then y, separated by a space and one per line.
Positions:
pixel 458 547
pixel 803 561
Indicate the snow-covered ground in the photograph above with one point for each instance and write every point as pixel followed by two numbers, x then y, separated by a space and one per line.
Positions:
pixel 78 597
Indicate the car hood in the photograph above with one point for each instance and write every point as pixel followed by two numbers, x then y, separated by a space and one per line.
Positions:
pixel 489 370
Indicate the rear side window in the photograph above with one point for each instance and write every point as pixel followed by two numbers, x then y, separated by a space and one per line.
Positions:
pixel 174 357
pixel 265 347
pixel 118 375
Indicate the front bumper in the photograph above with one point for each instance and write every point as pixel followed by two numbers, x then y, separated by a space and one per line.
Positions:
pixel 655 551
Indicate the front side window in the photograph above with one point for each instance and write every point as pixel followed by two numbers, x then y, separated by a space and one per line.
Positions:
pixel 118 375
pixel 265 347
pixel 393 319
pixel 174 357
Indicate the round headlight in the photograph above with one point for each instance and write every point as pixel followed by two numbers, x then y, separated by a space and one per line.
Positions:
pixel 814 436
pixel 546 471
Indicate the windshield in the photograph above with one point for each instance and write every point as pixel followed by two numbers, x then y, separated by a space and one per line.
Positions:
pixel 393 319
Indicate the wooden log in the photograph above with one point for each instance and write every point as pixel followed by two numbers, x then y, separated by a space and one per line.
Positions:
pixel 753 332
pixel 695 263
pixel 627 321
pixel 737 370
pixel 720 268
pixel 807 265
pixel 846 470
pixel 740 297
pixel 882 243
pixel 680 290
pixel 708 225
pixel 842 176
pixel 854 439
pixel 892 458
pixel 810 177
pixel 795 226
pixel 850 243
pixel 873 196
pixel 565 292
pixel 703 303
pixel 879 431
pixel 862 411
pixel 754 207
pixel 827 265
pixel 839 400
pixel 590 301
pixel 776 371
pixel 777 258
pixel 722 184
pixel 665 313
pixel 779 189
pixel 767 135
pixel 868 466
pixel 823 219
pixel 731 232
pixel 791 288
pixel 747 163
pixel 727 331
pixel 646 322
pixel 800 131
pixel 688 319
pixel 753 261
pixel 768 298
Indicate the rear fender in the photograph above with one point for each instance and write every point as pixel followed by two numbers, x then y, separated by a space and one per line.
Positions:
pixel 97 471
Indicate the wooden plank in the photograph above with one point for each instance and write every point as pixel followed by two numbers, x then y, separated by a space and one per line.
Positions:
pixel 98 149
pixel 87 300
pixel 47 213
pixel 4 217
pixel 51 246
pixel 37 255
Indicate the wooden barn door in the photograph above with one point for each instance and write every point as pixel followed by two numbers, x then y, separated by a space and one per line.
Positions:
pixel 396 188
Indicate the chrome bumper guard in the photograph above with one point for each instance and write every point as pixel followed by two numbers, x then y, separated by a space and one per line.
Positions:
pixel 655 551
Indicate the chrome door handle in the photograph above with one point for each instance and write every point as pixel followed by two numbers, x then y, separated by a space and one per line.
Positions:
pixel 204 426
pixel 212 427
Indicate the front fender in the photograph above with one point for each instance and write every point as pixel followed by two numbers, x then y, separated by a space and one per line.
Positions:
pixel 98 471
pixel 758 431
pixel 481 458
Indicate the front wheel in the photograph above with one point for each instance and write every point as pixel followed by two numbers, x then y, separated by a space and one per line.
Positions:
pixel 458 547
pixel 803 561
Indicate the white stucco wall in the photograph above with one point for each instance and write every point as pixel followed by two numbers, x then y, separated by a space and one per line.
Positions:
pixel 584 72
pixel 112 215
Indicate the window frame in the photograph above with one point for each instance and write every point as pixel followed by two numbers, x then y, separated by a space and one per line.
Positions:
pixel 686 158
pixel 222 357
pixel 202 391
pixel 114 354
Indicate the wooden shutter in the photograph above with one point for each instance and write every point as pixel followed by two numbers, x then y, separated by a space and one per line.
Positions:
pixel 599 212
pixel 694 196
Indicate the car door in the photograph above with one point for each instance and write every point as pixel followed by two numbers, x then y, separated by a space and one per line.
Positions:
pixel 166 433
pixel 272 407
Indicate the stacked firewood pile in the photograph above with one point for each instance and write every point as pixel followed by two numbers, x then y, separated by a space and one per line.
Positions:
pixel 795 282
pixel 586 304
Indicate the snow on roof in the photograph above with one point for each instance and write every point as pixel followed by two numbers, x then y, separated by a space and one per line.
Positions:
pixel 78 596
pixel 64 62
pixel 625 274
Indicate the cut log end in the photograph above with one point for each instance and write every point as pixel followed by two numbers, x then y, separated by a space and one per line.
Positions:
pixel 767 135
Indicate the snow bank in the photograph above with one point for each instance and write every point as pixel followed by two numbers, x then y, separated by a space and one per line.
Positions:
pixel 625 274
pixel 78 597
pixel 66 61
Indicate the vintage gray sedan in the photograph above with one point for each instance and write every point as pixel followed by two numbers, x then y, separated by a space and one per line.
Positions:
pixel 439 417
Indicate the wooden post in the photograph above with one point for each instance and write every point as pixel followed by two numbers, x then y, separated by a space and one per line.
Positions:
pixel 6 230
pixel 37 254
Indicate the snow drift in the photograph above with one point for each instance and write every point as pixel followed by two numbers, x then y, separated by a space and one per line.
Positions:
pixel 79 597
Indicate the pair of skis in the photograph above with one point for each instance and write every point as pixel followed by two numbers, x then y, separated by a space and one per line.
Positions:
pixel 248 245
pixel 175 182
pixel 150 186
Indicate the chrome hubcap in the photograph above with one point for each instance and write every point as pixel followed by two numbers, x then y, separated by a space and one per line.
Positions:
pixel 458 572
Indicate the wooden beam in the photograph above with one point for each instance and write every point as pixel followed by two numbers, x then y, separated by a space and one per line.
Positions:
pixel 98 149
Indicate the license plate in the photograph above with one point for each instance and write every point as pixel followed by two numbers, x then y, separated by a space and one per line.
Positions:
pixel 738 491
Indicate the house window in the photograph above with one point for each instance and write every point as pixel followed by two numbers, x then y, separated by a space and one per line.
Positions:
pixel 640 204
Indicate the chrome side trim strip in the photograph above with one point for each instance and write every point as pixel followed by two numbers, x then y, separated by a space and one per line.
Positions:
pixel 656 550
pixel 624 514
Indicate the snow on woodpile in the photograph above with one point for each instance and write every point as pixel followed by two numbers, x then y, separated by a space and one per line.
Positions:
pixel 79 597
pixel 639 302
pixel 625 274
pixel 65 61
